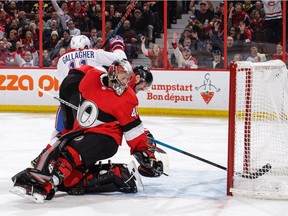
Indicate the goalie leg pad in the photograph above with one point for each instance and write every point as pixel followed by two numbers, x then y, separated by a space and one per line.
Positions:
pixel 32 184
pixel 118 178
pixel 106 178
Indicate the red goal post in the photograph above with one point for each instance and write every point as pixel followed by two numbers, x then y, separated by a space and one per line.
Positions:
pixel 258 130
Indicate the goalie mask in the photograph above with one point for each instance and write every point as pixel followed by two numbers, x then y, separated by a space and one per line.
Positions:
pixel 119 73
pixel 80 42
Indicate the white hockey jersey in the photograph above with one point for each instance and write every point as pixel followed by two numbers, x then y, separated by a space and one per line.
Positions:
pixel 93 57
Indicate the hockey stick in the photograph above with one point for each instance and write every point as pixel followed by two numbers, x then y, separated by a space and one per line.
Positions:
pixel 264 169
pixel 57 98
pixel 120 23
pixel 188 154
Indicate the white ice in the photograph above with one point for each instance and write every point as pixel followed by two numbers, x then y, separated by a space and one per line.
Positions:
pixel 193 187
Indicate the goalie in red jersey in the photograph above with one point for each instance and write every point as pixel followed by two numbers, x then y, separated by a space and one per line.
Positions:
pixel 107 112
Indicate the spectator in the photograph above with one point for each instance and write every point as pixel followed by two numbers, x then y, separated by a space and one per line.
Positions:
pixel 232 32
pixel 47 31
pixel 184 35
pixel 55 17
pixel 46 62
pixel 64 42
pixel 205 12
pixel 232 48
pixel 7 44
pixel 139 25
pixel 14 24
pixel 155 55
pixel 88 4
pixel 23 20
pixel 248 7
pixel 95 15
pixel 259 8
pixel 35 34
pixel 219 12
pixel 13 39
pixel 51 43
pixel 108 29
pixel 93 36
pixel 188 43
pixel 149 19
pixel 62 12
pixel 72 29
pixel 36 21
pixel 216 35
pixel 237 57
pixel 237 14
pixel 98 43
pixel 244 35
pixel 4 53
pixel 113 15
pixel 279 53
pixel 194 25
pixel 205 56
pixel 184 59
pixel 61 51
pixel 21 52
pixel 254 56
pixel 28 42
pixel 273 20
pixel 217 61
pixel 77 14
pixel 194 45
pixel 157 10
pixel 12 9
pixel 257 27
pixel 30 58
pixel 130 39
pixel 5 18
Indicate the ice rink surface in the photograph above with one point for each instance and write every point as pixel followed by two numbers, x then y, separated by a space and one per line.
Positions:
pixel 192 188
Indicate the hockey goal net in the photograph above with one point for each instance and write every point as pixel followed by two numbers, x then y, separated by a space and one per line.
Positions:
pixel 258 130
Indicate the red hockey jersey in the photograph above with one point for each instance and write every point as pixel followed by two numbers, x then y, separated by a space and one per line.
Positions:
pixel 109 113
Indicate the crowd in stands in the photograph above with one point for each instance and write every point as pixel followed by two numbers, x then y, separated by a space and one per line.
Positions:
pixel 254 33
pixel 251 28
pixel 63 19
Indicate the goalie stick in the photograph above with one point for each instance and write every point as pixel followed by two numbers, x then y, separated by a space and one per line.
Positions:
pixel 252 175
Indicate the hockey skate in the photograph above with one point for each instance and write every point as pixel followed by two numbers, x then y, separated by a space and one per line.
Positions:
pixel 27 187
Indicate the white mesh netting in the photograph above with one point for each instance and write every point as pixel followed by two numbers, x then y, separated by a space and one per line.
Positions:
pixel 261 130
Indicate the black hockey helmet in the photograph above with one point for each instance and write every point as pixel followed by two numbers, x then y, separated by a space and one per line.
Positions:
pixel 145 74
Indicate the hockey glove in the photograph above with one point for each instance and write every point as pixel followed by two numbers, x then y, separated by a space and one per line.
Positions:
pixel 116 43
pixel 149 167
pixel 149 135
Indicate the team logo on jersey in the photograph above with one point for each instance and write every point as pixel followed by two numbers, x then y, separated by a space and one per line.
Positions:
pixel 206 89
pixel 87 114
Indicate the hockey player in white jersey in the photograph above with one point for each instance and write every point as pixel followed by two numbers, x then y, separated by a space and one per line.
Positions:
pixel 81 54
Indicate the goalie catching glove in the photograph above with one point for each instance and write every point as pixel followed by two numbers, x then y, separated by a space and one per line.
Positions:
pixel 149 166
